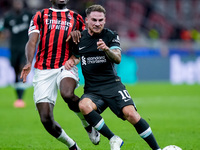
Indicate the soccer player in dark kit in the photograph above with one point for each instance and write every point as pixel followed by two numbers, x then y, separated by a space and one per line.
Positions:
pixel 99 49
pixel 17 23
pixel 52 26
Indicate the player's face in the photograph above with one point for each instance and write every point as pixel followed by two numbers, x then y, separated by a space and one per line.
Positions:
pixel 95 22
pixel 18 5
pixel 60 4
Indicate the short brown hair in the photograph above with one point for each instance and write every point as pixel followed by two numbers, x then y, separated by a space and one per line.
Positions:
pixel 92 8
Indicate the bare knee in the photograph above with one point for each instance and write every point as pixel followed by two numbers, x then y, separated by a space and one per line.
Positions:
pixel 67 96
pixel 86 106
pixel 83 106
pixel 131 114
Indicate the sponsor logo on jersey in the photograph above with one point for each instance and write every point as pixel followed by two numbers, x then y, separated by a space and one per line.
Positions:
pixel 93 60
pixel 96 60
pixel 58 24
pixel 20 28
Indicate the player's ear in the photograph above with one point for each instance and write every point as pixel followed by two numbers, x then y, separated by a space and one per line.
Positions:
pixel 86 20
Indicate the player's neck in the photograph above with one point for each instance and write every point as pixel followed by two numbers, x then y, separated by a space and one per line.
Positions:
pixel 59 6
pixel 91 33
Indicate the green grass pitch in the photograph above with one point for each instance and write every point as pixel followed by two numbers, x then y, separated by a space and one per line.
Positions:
pixel 173 112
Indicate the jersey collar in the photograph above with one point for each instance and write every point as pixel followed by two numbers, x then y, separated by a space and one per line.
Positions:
pixel 59 10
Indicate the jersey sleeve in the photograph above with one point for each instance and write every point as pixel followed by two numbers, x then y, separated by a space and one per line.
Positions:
pixel 80 25
pixel 35 23
pixel 115 42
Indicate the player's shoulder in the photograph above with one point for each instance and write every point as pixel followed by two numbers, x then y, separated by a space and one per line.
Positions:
pixel 84 32
pixel 42 12
pixel 109 32
pixel 74 13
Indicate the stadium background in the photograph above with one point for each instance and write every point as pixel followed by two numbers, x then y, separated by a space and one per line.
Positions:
pixel 160 38
pixel 160 41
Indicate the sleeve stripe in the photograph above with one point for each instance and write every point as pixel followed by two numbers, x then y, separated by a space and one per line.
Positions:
pixel 37 31
pixel 116 47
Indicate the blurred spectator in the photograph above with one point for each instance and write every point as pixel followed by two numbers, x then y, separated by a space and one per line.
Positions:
pixel 133 18
pixel 15 27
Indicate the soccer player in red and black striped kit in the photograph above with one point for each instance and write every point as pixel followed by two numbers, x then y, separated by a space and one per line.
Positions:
pixel 52 27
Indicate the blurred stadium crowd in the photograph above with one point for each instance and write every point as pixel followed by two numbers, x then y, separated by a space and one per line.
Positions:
pixel 155 19
pixel 163 36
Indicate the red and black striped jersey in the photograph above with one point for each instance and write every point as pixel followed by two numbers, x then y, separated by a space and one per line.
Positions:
pixel 54 26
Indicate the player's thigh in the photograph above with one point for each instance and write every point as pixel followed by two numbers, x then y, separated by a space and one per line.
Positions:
pixel 45 87
pixel 67 86
pixel 97 100
pixel 118 99
pixel 68 79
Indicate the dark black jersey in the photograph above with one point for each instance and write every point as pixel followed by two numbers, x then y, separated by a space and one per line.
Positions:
pixel 18 25
pixel 98 71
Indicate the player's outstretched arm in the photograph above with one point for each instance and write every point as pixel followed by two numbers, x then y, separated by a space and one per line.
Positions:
pixel 114 55
pixel 30 52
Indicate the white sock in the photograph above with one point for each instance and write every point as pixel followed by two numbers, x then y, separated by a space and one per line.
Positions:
pixel 64 138
pixel 82 118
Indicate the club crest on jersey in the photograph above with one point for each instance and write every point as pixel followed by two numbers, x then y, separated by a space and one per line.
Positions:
pixel 83 60
pixel 69 16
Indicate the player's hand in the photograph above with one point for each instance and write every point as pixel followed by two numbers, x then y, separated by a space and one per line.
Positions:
pixel 25 71
pixel 69 64
pixel 75 35
pixel 101 45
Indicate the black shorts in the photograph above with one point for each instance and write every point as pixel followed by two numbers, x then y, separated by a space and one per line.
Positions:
pixel 115 98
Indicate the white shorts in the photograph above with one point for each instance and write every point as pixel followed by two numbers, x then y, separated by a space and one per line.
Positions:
pixel 47 82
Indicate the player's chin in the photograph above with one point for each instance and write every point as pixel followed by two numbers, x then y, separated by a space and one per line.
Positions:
pixel 97 31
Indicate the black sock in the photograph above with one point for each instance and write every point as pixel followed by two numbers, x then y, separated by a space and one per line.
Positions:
pixel 144 130
pixel 73 147
pixel 20 93
pixel 95 120
pixel 88 128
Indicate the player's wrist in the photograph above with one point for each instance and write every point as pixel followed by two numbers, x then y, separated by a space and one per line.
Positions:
pixel 106 50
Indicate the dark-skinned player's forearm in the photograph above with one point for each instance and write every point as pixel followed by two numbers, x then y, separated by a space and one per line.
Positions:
pixel 31 47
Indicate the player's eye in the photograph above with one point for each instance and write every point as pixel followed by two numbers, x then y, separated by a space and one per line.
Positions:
pixel 100 20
